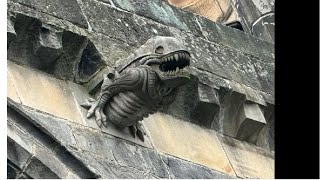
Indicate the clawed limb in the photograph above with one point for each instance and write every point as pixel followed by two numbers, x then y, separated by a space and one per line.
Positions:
pixel 96 110
pixel 137 130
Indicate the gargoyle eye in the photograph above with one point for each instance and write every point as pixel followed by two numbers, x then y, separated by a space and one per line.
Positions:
pixel 159 50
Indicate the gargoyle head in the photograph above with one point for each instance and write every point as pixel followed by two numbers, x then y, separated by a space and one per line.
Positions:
pixel 168 57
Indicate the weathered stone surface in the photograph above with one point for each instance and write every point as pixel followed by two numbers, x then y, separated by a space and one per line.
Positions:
pixel 112 50
pixel 196 103
pixel 266 136
pixel 121 31
pixel 21 138
pixel 49 160
pixel 48 45
pixel 67 65
pixel 17 154
pixel 240 118
pixel 116 150
pixel 44 93
pixel 181 139
pixel 48 151
pixel 12 170
pixel 197 25
pixel 161 12
pixel 11 90
pixel 37 170
pixel 250 123
pixel 223 60
pixel 21 48
pixel 256 12
pixel 207 106
pixel 56 128
pixel 121 25
pixel 180 169
pixel 109 170
pixel 68 10
pixel 248 161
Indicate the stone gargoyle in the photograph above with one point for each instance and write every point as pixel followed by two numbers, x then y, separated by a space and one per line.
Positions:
pixel 149 80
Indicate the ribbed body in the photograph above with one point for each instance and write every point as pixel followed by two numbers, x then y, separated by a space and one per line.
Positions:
pixel 126 108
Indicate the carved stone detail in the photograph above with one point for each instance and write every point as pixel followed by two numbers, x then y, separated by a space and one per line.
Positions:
pixel 149 79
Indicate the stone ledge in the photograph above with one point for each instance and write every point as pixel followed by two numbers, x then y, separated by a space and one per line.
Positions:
pixel 181 139
pixel 42 92
pixel 68 10
pixel 200 26
pixel 239 72
pixel 248 161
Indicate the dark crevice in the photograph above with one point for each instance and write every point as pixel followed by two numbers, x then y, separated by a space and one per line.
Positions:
pixel 236 25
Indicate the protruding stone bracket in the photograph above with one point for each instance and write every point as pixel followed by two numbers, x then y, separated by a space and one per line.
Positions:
pixel 207 106
pixel 250 122
pixel 241 119
pixel 48 45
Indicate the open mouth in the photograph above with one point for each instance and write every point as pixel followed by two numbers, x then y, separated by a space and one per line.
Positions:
pixel 175 63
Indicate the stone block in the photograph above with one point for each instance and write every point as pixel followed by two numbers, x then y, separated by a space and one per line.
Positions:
pixel 54 127
pixel 241 119
pixel 120 151
pixel 109 170
pixel 251 121
pixel 37 170
pixel 17 154
pixel 12 170
pixel 208 8
pixel 19 137
pixel 207 106
pixel 67 10
pixel 50 160
pixel 181 169
pixel 48 45
pixel 11 90
pixel 181 139
pixel 39 91
pixel 160 11
pixel 248 161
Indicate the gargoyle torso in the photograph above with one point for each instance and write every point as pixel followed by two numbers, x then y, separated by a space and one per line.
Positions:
pixel 150 80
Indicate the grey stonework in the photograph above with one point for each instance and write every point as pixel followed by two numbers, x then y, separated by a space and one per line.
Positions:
pixel 94 155
pixel 231 89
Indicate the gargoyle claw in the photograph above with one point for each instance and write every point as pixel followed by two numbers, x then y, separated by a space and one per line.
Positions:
pixel 95 110
pixel 136 130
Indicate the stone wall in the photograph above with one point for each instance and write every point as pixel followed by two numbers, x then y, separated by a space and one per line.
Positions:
pixel 221 125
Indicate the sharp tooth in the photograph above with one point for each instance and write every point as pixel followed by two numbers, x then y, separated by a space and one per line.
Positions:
pixel 176 56
pixel 177 69
pixel 181 55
